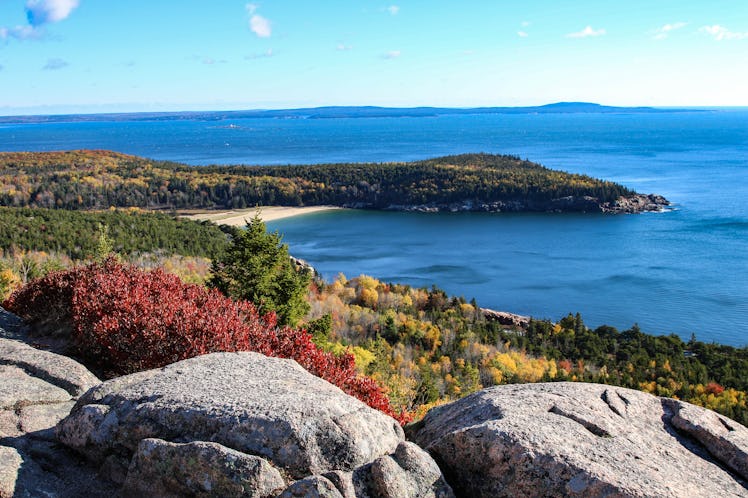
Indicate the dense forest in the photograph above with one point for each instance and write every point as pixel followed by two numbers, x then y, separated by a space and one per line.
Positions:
pixel 76 233
pixel 101 179
pixel 35 241
pixel 429 348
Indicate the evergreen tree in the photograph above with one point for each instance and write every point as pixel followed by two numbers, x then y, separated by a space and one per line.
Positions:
pixel 320 329
pixel 258 268
pixel 104 244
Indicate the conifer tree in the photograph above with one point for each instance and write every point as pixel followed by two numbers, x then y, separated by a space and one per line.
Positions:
pixel 258 268
pixel 104 244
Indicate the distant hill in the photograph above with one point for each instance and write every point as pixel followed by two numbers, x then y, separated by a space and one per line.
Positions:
pixel 340 112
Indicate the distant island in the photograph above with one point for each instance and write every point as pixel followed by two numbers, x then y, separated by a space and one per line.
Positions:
pixel 87 179
pixel 341 112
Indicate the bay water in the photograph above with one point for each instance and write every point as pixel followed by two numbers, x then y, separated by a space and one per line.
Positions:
pixel 683 271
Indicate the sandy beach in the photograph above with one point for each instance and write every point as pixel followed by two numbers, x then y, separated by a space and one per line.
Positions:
pixel 239 217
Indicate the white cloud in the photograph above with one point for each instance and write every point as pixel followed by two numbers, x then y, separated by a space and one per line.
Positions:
pixel 209 61
pixel 392 54
pixel 55 64
pixel 260 26
pixel 586 33
pixel 522 34
pixel 343 47
pixel 25 32
pixel 525 24
pixel 393 9
pixel 263 55
pixel 722 33
pixel 41 12
pixel 663 32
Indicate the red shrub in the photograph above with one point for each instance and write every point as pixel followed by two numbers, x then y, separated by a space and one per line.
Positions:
pixel 565 365
pixel 714 388
pixel 125 320
pixel 45 303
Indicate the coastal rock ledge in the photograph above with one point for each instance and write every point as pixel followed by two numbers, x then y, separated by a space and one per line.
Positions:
pixel 632 204
pixel 590 440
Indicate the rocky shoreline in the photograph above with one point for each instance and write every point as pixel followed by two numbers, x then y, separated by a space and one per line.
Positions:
pixel 638 203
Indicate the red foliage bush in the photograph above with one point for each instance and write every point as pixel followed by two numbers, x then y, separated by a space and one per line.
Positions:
pixel 45 303
pixel 714 388
pixel 125 320
pixel 565 365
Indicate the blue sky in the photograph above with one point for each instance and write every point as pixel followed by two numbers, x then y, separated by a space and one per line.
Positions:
pixel 115 55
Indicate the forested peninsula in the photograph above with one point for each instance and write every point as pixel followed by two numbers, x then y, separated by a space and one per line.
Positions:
pixel 89 179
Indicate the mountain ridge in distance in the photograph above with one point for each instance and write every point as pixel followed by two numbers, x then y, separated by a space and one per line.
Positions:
pixel 331 112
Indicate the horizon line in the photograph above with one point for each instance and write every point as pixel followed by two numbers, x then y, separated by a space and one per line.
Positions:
pixel 188 110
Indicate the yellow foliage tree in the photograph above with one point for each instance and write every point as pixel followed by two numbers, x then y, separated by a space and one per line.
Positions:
pixel 8 282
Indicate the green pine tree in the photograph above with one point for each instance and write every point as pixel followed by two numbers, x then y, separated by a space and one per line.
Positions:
pixel 258 268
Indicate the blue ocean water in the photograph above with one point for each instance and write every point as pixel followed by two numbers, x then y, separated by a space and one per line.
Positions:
pixel 683 271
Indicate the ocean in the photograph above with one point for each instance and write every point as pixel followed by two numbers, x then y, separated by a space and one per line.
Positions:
pixel 683 271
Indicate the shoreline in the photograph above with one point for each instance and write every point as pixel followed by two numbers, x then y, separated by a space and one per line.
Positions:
pixel 239 217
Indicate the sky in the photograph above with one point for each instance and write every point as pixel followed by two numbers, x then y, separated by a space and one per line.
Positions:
pixel 81 56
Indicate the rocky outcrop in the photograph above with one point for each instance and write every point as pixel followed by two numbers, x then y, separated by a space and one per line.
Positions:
pixel 263 406
pixel 37 390
pixel 573 439
pixel 160 468
pixel 304 266
pixel 635 203
pixel 639 203
pixel 725 439
pixel 267 413
pixel 54 369
pixel 312 487
pixel 410 472
pixel 505 318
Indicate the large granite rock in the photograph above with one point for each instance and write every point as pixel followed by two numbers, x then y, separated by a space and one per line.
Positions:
pixel 54 369
pixel 311 487
pixel 573 439
pixel 409 473
pixel 166 469
pixel 37 390
pixel 266 410
pixel 268 407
